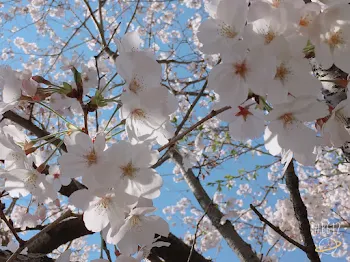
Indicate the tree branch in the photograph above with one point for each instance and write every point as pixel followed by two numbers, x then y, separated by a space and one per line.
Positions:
pixel 300 211
pixel 277 229
pixel 39 235
pixel 180 136
pixel 32 128
pixel 74 228
pixel 243 250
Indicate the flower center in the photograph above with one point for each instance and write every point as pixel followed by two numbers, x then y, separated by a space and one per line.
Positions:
pixel 91 158
pixel 241 69
pixel 287 119
pixel 138 113
pixel 335 39
pixel 304 21
pixel 56 176
pixel 269 36
pixel 31 179
pixel 134 86
pixel 227 31
pixel 86 78
pixel 243 112
pixel 105 202
pixel 129 170
pixel 276 3
pixel 282 72
pixel 135 221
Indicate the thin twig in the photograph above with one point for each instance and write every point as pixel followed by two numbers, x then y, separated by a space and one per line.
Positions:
pixel 277 229
pixel 199 96
pixel 180 136
pixel 10 226
pixel 195 234
pixel 34 238
pixel 132 17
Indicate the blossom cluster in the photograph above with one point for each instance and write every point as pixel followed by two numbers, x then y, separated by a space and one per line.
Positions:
pixel 118 180
pixel 265 75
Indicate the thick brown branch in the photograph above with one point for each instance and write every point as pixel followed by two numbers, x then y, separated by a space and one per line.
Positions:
pixel 64 232
pixel 243 250
pixel 32 128
pixel 74 228
pixel 38 236
pixel 177 251
pixel 300 211
pixel 5 255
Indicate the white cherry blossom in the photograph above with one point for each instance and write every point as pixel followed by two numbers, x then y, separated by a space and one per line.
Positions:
pixel 331 37
pixel 139 230
pixel 133 164
pixel 54 177
pixel 241 73
pixel 139 70
pixel 145 118
pixel 335 128
pixel 86 157
pixel 102 208
pixel 245 122
pixel 217 35
pixel 286 126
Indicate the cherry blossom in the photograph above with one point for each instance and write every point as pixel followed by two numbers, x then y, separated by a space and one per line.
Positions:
pixel 335 127
pixel 331 34
pixel 133 164
pixel 54 177
pixel 144 118
pixel 86 157
pixel 139 229
pixel 217 35
pixel 241 73
pixel 245 122
pixel 22 182
pixel 10 84
pixel 139 70
pixel 102 208
pixel 286 126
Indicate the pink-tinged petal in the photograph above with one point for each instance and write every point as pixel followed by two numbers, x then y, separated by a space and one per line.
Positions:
pixel 117 236
pixel 233 12
pixel 323 55
pixel 16 189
